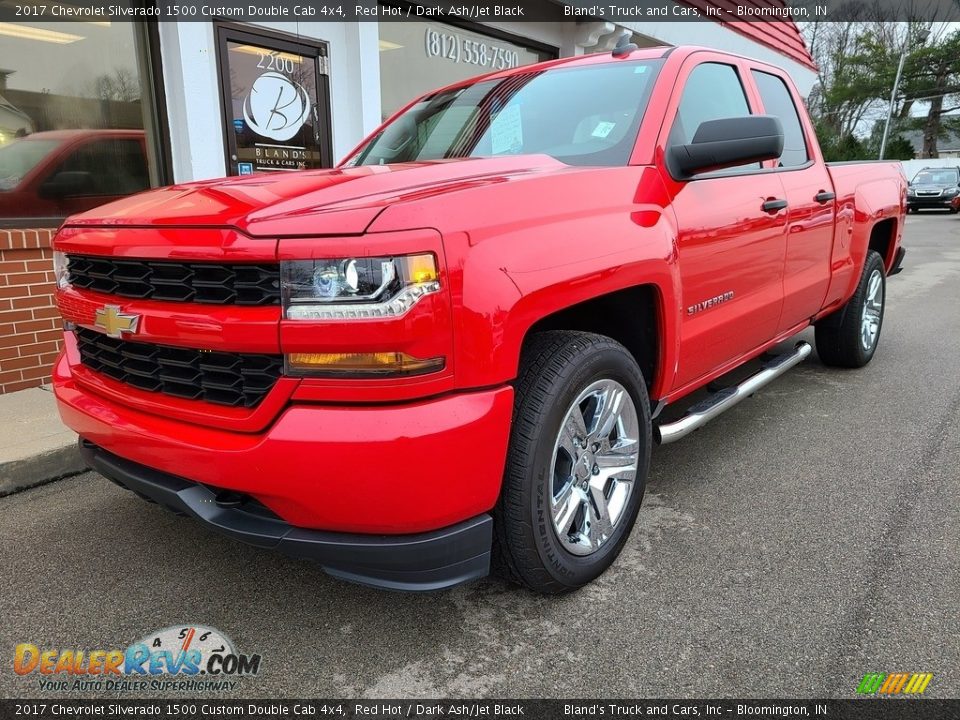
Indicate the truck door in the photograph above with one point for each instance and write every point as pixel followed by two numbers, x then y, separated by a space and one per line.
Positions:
pixel 731 228
pixel 812 210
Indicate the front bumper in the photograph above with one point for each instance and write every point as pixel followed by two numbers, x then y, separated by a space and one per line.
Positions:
pixel 937 202
pixel 422 561
pixel 398 470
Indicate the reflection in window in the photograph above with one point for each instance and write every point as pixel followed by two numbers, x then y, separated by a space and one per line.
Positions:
pixel 417 57
pixel 71 118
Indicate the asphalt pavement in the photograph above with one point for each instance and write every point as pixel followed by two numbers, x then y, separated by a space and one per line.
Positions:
pixel 803 539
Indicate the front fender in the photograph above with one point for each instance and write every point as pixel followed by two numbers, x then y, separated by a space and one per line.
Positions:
pixel 506 293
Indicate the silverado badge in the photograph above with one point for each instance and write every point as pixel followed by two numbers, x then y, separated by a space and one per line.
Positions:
pixel 709 303
pixel 114 323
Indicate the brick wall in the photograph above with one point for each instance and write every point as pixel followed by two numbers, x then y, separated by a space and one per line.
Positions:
pixel 30 327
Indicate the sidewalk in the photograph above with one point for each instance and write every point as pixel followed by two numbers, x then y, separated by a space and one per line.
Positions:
pixel 35 447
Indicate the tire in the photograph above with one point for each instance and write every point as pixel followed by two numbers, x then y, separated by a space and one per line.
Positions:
pixel 554 552
pixel 844 338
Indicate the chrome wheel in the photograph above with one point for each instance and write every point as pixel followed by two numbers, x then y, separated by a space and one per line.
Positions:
pixel 594 466
pixel 872 311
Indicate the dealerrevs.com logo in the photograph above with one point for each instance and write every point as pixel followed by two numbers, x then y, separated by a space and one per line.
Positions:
pixel 185 658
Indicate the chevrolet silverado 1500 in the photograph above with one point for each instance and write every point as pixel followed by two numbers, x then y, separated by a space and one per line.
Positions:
pixel 453 350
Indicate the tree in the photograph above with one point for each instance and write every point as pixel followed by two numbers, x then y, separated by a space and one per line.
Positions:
pixel 120 85
pixel 935 78
pixel 848 84
pixel 858 63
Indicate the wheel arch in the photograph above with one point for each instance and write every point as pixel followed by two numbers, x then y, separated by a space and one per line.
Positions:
pixel 633 316
pixel 883 239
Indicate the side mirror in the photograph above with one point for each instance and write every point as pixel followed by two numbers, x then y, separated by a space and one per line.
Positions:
pixel 726 143
pixel 69 183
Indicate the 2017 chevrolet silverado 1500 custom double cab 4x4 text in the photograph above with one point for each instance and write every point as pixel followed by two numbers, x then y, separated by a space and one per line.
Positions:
pixel 452 350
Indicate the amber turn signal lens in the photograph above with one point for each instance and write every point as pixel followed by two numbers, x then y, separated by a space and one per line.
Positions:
pixel 381 364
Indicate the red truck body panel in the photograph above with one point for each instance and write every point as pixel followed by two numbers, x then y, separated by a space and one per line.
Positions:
pixel 517 239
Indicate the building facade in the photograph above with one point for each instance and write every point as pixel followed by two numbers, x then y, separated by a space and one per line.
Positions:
pixel 94 111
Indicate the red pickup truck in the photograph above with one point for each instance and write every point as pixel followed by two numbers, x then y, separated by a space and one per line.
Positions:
pixel 453 350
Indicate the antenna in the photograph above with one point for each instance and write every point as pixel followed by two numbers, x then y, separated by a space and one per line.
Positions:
pixel 624 46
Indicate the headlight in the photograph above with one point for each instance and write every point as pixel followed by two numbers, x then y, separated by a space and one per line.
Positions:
pixel 911 191
pixel 60 272
pixel 950 192
pixel 356 288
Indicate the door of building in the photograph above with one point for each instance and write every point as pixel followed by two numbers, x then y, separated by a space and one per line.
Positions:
pixel 276 101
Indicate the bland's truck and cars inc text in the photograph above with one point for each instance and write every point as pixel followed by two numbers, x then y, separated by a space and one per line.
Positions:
pixel 414 411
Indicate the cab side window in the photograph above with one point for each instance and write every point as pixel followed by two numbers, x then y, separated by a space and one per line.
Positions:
pixel 713 92
pixel 777 101
pixel 115 167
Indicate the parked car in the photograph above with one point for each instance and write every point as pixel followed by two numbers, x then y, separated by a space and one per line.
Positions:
pixel 62 172
pixel 935 189
pixel 455 348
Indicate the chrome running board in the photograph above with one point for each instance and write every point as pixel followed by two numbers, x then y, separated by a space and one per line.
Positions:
pixel 718 402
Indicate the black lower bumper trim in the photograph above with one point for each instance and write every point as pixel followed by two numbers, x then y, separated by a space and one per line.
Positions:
pixel 424 561
pixel 930 205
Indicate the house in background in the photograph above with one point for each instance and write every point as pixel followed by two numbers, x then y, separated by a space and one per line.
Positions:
pixel 947 147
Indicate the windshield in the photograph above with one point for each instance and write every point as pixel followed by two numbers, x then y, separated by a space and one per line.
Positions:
pixel 937 177
pixel 580 116
pixel 20 157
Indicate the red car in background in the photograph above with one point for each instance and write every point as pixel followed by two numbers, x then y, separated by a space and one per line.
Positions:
pixel 62 172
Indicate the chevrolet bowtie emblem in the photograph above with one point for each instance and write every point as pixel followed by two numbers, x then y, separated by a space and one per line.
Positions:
pixel 114 323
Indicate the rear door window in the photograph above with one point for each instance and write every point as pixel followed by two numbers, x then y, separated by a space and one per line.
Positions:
pixel 116 166
pixel 778 102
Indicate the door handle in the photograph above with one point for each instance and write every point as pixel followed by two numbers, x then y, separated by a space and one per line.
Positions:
pixel 773 206
pixel 824 197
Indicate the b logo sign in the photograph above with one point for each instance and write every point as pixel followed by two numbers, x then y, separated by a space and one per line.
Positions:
pixel 277 107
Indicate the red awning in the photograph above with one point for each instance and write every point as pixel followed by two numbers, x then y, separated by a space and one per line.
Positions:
pixel 780 35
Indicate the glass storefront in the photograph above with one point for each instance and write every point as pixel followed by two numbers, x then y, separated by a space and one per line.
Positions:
pixel 73 102
pixel 416 57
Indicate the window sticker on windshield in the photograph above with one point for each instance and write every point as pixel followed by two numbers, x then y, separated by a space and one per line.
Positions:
pixel 603 129
pixel 506 131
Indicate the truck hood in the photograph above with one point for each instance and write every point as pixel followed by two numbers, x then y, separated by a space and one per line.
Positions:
pixel 343 201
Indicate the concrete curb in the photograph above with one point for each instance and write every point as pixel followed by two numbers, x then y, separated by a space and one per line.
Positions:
pixel 35 446
pixel 40 469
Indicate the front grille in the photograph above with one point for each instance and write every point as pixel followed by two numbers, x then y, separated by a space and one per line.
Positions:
pixel 213 283
pixel 929 193
pixel 235 379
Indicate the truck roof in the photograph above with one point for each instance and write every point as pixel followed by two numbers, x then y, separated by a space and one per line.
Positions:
pixel 644 53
